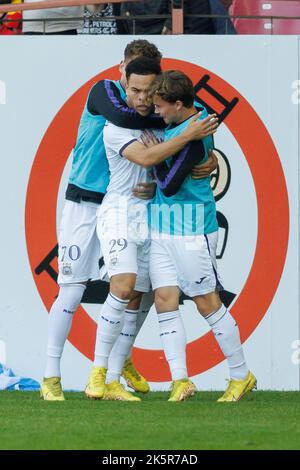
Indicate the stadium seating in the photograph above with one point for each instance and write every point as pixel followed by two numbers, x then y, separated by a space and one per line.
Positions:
pixel 266 7
pixel 291 26
pixel 290 8
pixel 252 26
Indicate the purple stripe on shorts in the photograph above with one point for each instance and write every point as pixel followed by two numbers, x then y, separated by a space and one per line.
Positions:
pixel 218 283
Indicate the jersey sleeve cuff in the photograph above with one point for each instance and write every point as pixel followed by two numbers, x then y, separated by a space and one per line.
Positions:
pixel 126 145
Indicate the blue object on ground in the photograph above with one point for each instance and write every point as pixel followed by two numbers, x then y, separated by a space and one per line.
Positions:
pixel 10 381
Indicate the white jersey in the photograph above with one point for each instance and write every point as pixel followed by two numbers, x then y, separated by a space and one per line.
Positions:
pixel 122 225
pixel 124 174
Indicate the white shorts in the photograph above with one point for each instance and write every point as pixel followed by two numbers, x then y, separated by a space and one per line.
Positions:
pixel 79 247
pixel 123 253
pixel 186 262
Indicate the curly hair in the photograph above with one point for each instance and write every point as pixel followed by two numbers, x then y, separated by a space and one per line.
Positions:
pixel 142 48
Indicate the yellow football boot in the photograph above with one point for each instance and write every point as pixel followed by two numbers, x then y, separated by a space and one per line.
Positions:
pixel 96 384
pixel 182 390
pixel 51 389
pixel 133 378
pixel 116 391
pixel 237 388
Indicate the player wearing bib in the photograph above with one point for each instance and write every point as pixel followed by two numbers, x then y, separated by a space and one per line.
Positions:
pixel 79 248
pixel 183 248
pixel 122 225
pixel 78 242
pixel 183 221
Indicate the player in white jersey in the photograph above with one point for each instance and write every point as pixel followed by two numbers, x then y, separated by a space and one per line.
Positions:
pixel 123 219
pixel 123 224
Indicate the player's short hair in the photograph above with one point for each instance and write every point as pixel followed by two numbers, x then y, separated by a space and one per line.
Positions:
pixel 142 48
pixel 172 86
pixel 143 66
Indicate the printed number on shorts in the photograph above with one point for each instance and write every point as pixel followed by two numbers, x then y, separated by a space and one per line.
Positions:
pixel 72 252
pixel 117 245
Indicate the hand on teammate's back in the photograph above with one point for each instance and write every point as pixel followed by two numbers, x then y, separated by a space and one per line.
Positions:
pixel 197 130
pixel 203 170
pixel 149 139
pixel 144 190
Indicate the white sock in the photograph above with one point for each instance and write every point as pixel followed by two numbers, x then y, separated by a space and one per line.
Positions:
pixel 122 346
pixel 60 320
pixel 141 317
pixel 146 304
pixel 227 335
pixel 110 325
pixel 172 334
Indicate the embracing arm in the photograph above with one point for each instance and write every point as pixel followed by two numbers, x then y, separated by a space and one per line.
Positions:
pixel 170 178
pixel 148 157
pixel 105 100
pixel 204 170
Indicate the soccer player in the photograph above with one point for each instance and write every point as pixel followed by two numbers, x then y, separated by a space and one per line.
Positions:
pixel 79 248
pixel 183 248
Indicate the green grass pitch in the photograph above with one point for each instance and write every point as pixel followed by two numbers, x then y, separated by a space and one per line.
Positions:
pixel 262 420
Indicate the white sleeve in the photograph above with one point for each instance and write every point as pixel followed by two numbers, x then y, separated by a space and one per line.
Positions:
pixel 116 139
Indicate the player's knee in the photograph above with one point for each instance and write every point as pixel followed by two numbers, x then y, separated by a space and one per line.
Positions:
pixel 161 304
pixel 122 286
pixel 165 300
pixel 208 303
pixel 135 300
pixel 122 292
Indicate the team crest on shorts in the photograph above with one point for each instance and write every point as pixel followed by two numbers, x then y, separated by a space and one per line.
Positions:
pixel 113 260
pixel 67 269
